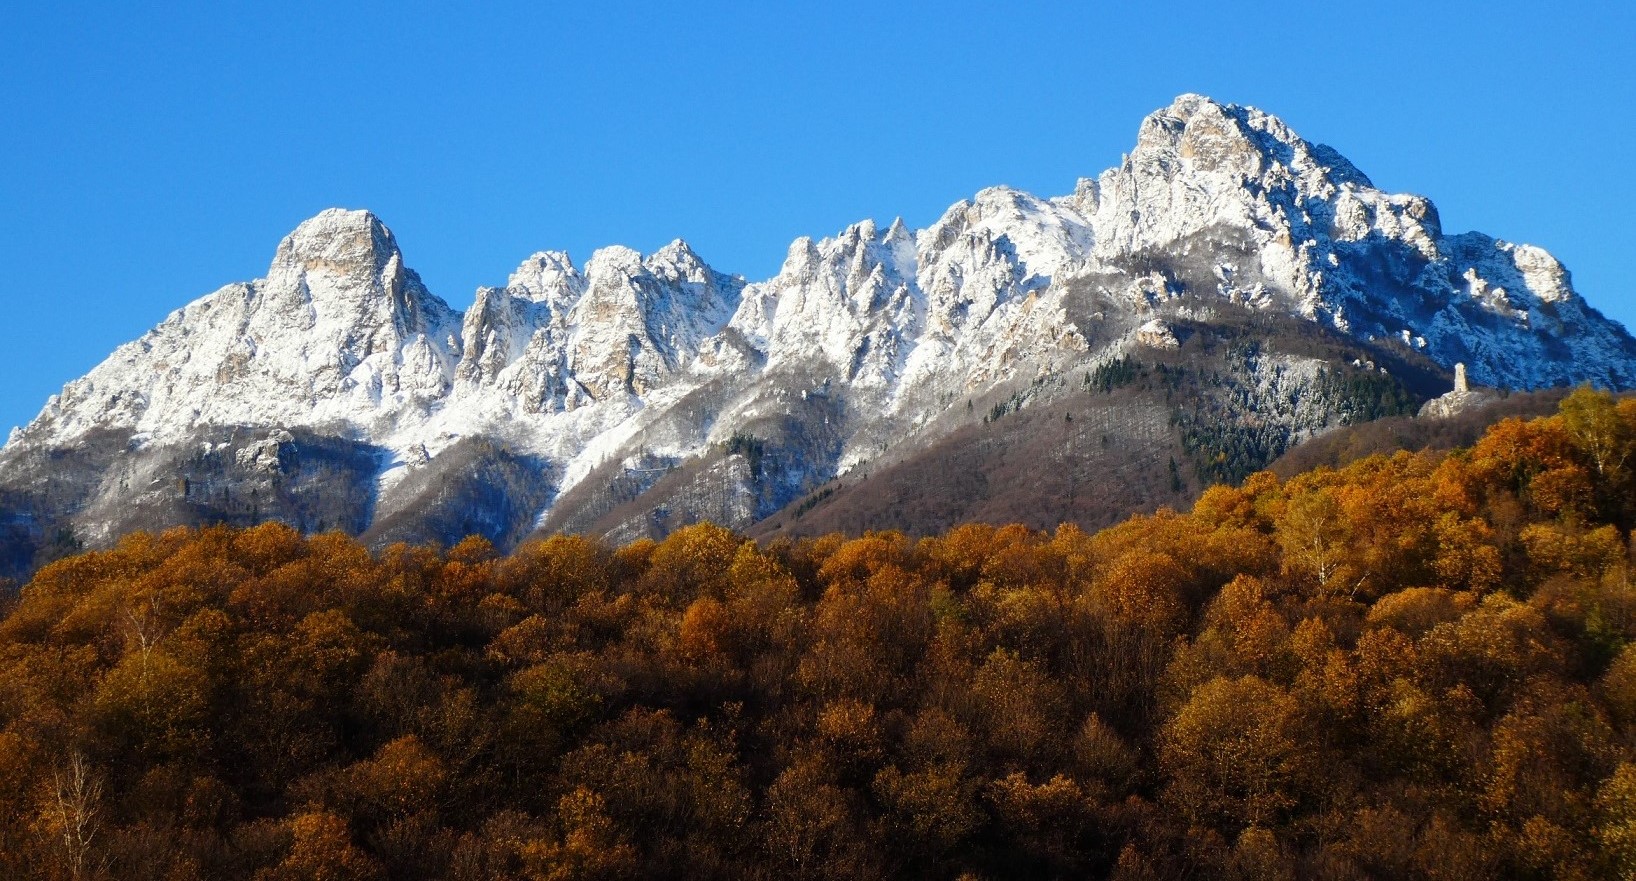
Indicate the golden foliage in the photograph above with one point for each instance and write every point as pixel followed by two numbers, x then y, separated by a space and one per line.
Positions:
pixel 1417 665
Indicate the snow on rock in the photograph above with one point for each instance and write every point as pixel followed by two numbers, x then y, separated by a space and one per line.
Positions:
pixel 263 455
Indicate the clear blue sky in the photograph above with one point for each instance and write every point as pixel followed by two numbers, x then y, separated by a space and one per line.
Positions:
pixel 147 158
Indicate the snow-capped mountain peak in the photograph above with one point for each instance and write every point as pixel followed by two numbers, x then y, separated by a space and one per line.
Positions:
pixel 339 241
pixel 548 277
pixel 861 340
pixel 338 333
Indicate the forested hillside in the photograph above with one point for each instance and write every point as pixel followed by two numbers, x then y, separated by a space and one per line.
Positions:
pixel 1418 666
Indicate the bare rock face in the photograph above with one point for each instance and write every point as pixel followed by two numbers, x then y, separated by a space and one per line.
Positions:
pixel 866 345
pixel 1156 334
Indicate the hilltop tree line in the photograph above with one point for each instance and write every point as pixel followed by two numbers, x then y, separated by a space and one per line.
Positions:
pixel 1416 666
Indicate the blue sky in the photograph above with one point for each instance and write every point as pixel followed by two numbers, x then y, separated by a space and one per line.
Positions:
pixel 148 157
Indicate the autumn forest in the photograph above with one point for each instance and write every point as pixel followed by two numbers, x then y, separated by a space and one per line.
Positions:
pixel 1420 665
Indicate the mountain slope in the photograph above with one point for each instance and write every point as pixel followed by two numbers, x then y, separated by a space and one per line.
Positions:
pixel 638 393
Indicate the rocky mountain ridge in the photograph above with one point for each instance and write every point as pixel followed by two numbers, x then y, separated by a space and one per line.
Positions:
pixel 866 346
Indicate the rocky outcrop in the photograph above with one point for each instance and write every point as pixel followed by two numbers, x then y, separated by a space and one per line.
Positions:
pixel 1461 399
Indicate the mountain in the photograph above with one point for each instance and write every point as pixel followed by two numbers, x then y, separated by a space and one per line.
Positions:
pixel 1224 292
